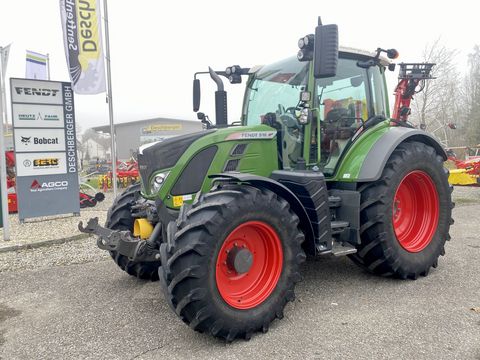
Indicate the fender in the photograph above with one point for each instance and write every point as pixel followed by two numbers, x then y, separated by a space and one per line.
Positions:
pixel 378 155
pixel 280 190
pixel 366 167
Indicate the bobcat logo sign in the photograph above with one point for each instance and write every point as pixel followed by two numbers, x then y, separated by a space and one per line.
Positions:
pixel 26 140
pixel 48 186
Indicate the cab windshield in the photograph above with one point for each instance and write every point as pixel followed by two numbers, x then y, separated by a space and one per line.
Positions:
pixel 271 98
pixel 275 88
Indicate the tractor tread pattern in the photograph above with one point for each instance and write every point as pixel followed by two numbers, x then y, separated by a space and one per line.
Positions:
pixel 185 284
pixel 376 254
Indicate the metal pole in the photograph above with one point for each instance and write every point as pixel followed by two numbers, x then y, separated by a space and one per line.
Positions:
pixel 109 99
pixel 4 95
pixel 3 169
pixel 48 66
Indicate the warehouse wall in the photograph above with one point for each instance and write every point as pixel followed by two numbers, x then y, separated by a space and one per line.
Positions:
pixel 131 135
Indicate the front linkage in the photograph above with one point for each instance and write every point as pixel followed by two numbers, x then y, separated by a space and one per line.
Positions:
pixel 123 242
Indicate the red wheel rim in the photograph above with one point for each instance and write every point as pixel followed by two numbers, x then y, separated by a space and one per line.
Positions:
pixel 415 211
pixel 246 290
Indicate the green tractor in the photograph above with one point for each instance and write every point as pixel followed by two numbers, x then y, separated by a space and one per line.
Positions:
pixel 317 166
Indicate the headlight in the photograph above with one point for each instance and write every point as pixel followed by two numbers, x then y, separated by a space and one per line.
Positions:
pixel 158 181
pixel 304 116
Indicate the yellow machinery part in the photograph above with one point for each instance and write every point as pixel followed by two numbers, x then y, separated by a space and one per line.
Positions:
pixel 142 228
pixel 461 177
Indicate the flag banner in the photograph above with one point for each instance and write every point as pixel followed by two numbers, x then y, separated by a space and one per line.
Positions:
pixel 36 67
pixel 81 23
pixel 5 53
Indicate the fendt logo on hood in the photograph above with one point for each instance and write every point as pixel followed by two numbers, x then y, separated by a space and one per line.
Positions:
pixel 48 186
pixel 35 91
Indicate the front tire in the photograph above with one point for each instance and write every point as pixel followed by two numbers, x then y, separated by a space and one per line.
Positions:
pixel 232 261
pixel 405 215
pixel 119 218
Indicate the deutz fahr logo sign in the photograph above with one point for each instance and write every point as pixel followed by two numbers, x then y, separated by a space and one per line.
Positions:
pixel 48 186
pixel 39 116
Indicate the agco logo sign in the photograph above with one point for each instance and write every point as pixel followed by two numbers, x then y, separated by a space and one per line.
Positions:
pixel 48 186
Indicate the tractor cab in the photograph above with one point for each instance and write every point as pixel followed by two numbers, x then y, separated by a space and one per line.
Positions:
pixel 317 102
pixel 317 118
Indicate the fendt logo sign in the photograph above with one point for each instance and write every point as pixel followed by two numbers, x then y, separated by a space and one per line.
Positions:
pixel 36 92
pixel 48 186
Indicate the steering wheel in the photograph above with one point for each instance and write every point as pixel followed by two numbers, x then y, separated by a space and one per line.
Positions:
pixel 287 118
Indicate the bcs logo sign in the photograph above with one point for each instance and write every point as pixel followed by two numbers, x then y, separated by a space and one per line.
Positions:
pixel 48 186
pixel 46 162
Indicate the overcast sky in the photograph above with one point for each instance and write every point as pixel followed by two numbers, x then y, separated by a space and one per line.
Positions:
pixel 156 46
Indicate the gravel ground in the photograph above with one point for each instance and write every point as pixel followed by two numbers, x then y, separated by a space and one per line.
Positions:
pixel 52 227
pixel 96 311
pixel 74 252
pixel 464 195
pixel 85 250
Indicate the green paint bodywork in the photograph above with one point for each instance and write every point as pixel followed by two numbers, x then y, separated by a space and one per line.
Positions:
pixel 261 157
pixel 349 166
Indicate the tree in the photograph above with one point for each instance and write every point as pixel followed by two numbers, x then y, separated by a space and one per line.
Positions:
pixel 437 106
pixel 472 97
pixel 104 141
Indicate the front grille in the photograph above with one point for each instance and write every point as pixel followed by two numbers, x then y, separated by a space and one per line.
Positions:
pixel 143 170
pixel 239 149
pixel 231 165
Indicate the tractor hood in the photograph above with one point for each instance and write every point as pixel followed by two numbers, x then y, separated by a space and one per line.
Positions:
pixel 165 154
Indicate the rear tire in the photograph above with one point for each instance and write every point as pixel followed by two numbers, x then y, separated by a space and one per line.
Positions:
pixel 197 276
pixel 406 215
pixel 120 218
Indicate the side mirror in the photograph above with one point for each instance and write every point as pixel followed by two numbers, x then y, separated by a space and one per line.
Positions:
pixel 325 50
pixel 392 53
pixel 196 95
pixel 200 116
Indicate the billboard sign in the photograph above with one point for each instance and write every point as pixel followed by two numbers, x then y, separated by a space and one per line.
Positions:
pixel 45 148
pixel 30 115
pixel 28 140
